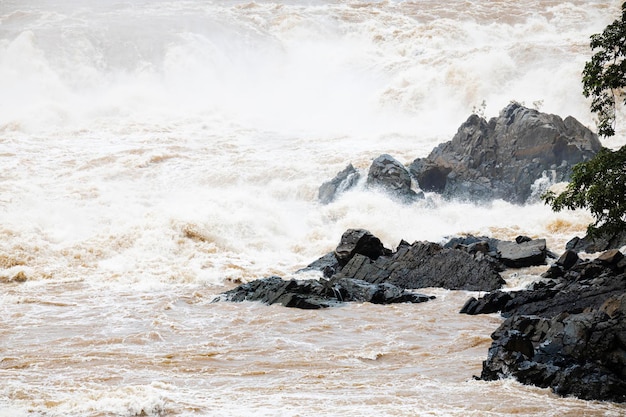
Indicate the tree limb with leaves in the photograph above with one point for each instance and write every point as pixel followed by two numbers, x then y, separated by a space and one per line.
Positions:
pixel 600 183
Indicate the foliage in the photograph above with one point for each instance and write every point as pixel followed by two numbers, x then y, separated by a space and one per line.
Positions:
pixel 599 185
pixel 604 76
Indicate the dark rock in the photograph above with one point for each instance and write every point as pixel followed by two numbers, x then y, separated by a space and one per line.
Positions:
pixel 503 158
pixel 327 264
pixel 313 294
pixel 425 264
pixel 359 241
pixel 490 303
pixel 343 181
pixel 568 259
pixel 611 257
pixel 597 244
pixel 567 333
pixel 583 286
pixel 470 240
pixel 582 355
pixel 388 174
pixel 360 255
pixel 524 254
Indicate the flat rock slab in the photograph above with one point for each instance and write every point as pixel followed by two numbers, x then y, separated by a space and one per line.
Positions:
pixel 524 254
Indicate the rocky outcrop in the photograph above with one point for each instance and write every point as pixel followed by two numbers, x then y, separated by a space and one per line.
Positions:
pixel 502 158
pixel 597 244
pixel 362 269
pixel 389 175
pixel 360 255
pixel 571 286
pixel 315 294
pixel 342 182
pixel 521 253
pixel 426 264
pixel 582 355
pixel 567 332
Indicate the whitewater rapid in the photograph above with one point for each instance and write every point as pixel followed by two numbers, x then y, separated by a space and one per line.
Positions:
pixel 152 153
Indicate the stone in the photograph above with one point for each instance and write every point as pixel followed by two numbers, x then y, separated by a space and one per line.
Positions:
pixel 505 157
pixel 389 175
pixel 316 294
pixel 427 264
pixel 524 254
pixel 343 181
pixel 327 264
pixel 611 257
pixel 578 355
pixel 568 259
pixel 491 303
pixel 567 333
pixel 359 241
pixel 595 244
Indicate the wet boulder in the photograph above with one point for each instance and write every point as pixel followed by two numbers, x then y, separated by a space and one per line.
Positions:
pixel 316 294
pixel 343 181
pixel 582 355
pixel 505 157
pixel 389 175
pixel 427 264
pixel 583 285
pixel 567 332
pixel 359 241
pixel 597 243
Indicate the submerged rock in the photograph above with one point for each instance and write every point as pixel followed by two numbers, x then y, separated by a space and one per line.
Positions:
pixel 315 294
pixel 502 158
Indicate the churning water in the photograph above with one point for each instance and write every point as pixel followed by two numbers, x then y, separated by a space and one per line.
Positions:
pixel 154 152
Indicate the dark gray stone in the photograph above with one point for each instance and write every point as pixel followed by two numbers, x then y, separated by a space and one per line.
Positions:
pixel 567 333
pixel 524 254
pixel 598 243
pixel 359 241
pixel 582 355
pixel 425 264
pixel 316 294
pixel 389 175
pixel 503 158
pixel 568 259
pixel 342 182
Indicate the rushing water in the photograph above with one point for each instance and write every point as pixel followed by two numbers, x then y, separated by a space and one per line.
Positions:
pixel 154 152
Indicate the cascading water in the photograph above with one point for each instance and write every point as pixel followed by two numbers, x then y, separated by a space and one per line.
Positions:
pixel 151 152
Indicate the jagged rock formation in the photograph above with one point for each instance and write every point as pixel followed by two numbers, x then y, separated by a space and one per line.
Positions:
pixel 503 157
pixel 315 294
pixel 583 354
pixel 362 269
pixel 389 175
pixel 567 333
